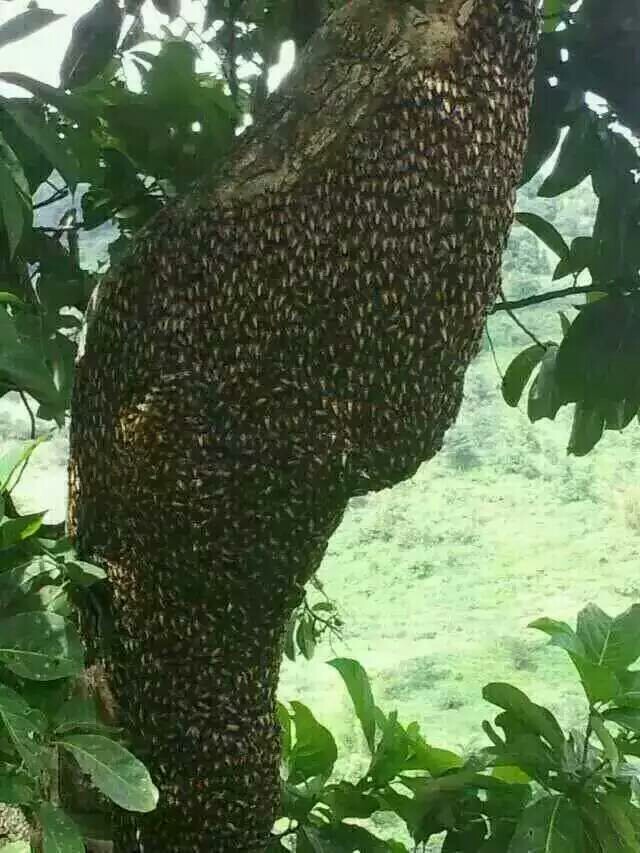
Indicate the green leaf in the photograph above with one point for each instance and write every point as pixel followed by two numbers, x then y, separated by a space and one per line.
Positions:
pixel 314 752
pixel 607 741
pixel 16 788
pixel 80 715
pixel 84 574
pixel 285 724
pixel 25 24
pixel 626 718
pixel 40 646
pixel 340 838
pixel 45 138
pixel 168 7
pixel 24 731
pixel 12 462
pixel 93 43
pixel 16 847
pixel 622 818
pixel 345 801
pixel 59 832
pixel 15 196
pixel 114 771
pixel 359 687
pixel 600 683
pixel 14 530
pixel 561 634
pixel 534 718
pixel 547 119
pixel 545 231
pixel 20 580
pixel 435 761
pixel 587 429
pixel 581 257
pixel 9 299
pixel 519 372
pixel 392 753
pixel 306 638
pixel 613 643
pixel 599 356
pixel 73 106
pixel 545 398
pixel 550 825
pixel 577 156
pixel 290 632
pixel 553 12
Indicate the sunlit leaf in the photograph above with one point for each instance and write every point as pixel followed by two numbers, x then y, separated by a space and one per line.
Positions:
pixel 113 770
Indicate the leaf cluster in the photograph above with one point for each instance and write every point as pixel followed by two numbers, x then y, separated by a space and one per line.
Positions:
pixel 535 787
pixel 44 715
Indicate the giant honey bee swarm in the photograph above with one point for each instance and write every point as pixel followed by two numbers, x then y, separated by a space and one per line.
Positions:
pixel 259 359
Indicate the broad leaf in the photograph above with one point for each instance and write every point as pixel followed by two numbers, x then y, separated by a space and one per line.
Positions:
pixel 347 801
pixel 545 231
pixel 561 634
pixel 114 771
pixel 16 787
pixel 519 373
pixel 84 574
pixel 359 687
pixel 626 718
pixel 550 825
pixel 599 356
pixel 59 832
pixel 613 643
pixel 314 751
pixel 608 744
pixel 25 24
pixel 576 158
pixel 15 530
pixel 15 196
pixel 23 729
pixel 45 138
pixel 545 397
pixel 40 646
pixel 11 463
pixel 93 43
pixel 600 683
pixel 534 718
pixel 168 7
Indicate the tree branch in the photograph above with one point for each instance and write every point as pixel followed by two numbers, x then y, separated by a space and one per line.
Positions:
pixel 540 298
pixel 343 77
pixel 520 324
pixel 30 411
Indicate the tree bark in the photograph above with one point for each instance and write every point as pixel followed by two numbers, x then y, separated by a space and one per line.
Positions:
pixel 293 333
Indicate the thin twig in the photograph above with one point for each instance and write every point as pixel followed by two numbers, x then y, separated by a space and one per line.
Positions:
pixel 57 229
pixel 58 195
pixel 521 325
pixel 550 295
pixel 32 417
pixel 493 353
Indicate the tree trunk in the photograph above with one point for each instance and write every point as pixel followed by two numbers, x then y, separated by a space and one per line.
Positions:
pixel 292 334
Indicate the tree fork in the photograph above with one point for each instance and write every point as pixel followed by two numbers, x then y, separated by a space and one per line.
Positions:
pixel 293 333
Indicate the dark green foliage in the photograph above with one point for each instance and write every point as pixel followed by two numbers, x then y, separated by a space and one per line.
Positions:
pixel 26 23
pixel 535 788
pixel 94 40
pixel 42 711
